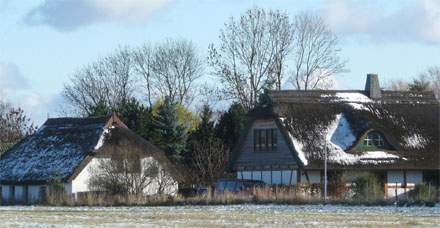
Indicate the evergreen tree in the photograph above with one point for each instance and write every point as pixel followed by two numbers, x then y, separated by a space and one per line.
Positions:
pixel 137 117
pixel 101 109
pixel 169 134
pixel 205 131
pixel 231 125
pixel 420 85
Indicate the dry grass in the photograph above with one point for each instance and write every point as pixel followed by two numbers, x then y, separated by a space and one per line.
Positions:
pixel 285 196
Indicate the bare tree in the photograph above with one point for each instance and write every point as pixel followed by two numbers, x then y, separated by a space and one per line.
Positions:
pixel 170 70
pixel 432 74
pixel 398 85
pixel 428 80
pixel 251 55
pixel 143 65
pixel 210 159
pixel 124 172
pixel 14 126
pixel 315 53
pixel 108 81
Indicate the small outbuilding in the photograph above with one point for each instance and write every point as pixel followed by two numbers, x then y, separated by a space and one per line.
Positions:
pixel 69 152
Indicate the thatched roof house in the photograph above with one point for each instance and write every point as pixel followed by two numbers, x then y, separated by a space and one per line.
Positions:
pixel 369 129
pixel 64 150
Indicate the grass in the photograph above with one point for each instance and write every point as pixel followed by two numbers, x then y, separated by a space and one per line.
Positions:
pixel 219 216
pixel 279 197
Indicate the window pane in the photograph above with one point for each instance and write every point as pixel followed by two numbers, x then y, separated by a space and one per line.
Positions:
pixel 255 139
pixel 274 139
pixel 268 140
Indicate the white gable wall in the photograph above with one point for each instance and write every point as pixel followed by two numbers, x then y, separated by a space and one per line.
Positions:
pixel 81 181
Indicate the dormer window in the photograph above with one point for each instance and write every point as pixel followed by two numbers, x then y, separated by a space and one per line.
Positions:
pixel 375 139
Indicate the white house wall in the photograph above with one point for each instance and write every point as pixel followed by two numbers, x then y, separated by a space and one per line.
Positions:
pixel 395 186
pixel 279 177
pixel 20 197
pixel 5 193
pixel 314 177
pixel 81 181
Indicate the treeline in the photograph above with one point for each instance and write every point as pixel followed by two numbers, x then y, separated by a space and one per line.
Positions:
pixel 168 93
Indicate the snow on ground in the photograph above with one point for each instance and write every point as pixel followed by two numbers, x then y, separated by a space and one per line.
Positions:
pixel 215 216
pixel 415 141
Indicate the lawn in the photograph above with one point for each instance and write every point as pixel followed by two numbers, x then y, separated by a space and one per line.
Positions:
pixel 219 216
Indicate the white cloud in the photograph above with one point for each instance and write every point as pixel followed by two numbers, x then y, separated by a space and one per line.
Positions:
pixel 417 21
pixel 67 15
pixel 17 90
pixel 11 77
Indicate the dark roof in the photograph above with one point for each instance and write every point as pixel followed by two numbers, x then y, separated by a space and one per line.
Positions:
pixel 54 151
pixel 335 121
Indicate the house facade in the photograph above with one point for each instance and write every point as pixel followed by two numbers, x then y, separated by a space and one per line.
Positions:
pixel 393 134
pixel 69 151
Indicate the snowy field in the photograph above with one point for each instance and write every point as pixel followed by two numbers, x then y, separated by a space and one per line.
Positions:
pixel 218 216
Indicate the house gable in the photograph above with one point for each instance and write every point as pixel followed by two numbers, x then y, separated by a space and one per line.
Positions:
pixel 249 158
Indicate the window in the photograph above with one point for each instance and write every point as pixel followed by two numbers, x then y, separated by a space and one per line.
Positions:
pixel 265 140
pixel 374 139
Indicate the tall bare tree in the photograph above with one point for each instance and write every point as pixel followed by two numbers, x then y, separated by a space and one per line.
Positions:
pixel 170 70
pixel 315 53
pixel 108 81
pixel 251 55
pixel 143 65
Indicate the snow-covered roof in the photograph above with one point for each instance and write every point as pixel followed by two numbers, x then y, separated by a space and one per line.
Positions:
pixel 335 121
pixel 54 151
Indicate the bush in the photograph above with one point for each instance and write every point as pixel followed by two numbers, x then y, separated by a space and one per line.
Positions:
pixel 423 192
pixel 368 188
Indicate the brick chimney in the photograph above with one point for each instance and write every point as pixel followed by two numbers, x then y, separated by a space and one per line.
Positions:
pixel 372 87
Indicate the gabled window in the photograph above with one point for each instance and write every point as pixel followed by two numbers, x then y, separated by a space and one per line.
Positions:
pixel 265 140
pixel 375 139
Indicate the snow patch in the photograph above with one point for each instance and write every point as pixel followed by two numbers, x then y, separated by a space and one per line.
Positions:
pixel 353 97
pixel 415 141
pixel 297 144
pixel 358 106
pixel 299 149
pixel 101 139
pixel 342 135
pixel 340 138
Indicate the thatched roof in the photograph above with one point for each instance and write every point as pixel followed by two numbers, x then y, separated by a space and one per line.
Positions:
pixel 54 151
pixel 336 121
pixel 62 147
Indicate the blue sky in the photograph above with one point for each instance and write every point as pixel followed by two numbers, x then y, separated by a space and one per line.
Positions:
pixel 42 42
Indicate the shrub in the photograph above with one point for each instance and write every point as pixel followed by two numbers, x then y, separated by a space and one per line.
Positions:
pixel 368 188
pixel 423 192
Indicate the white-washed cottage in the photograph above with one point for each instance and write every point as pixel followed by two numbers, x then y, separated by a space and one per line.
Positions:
pixel 69 150
pixel 392 134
